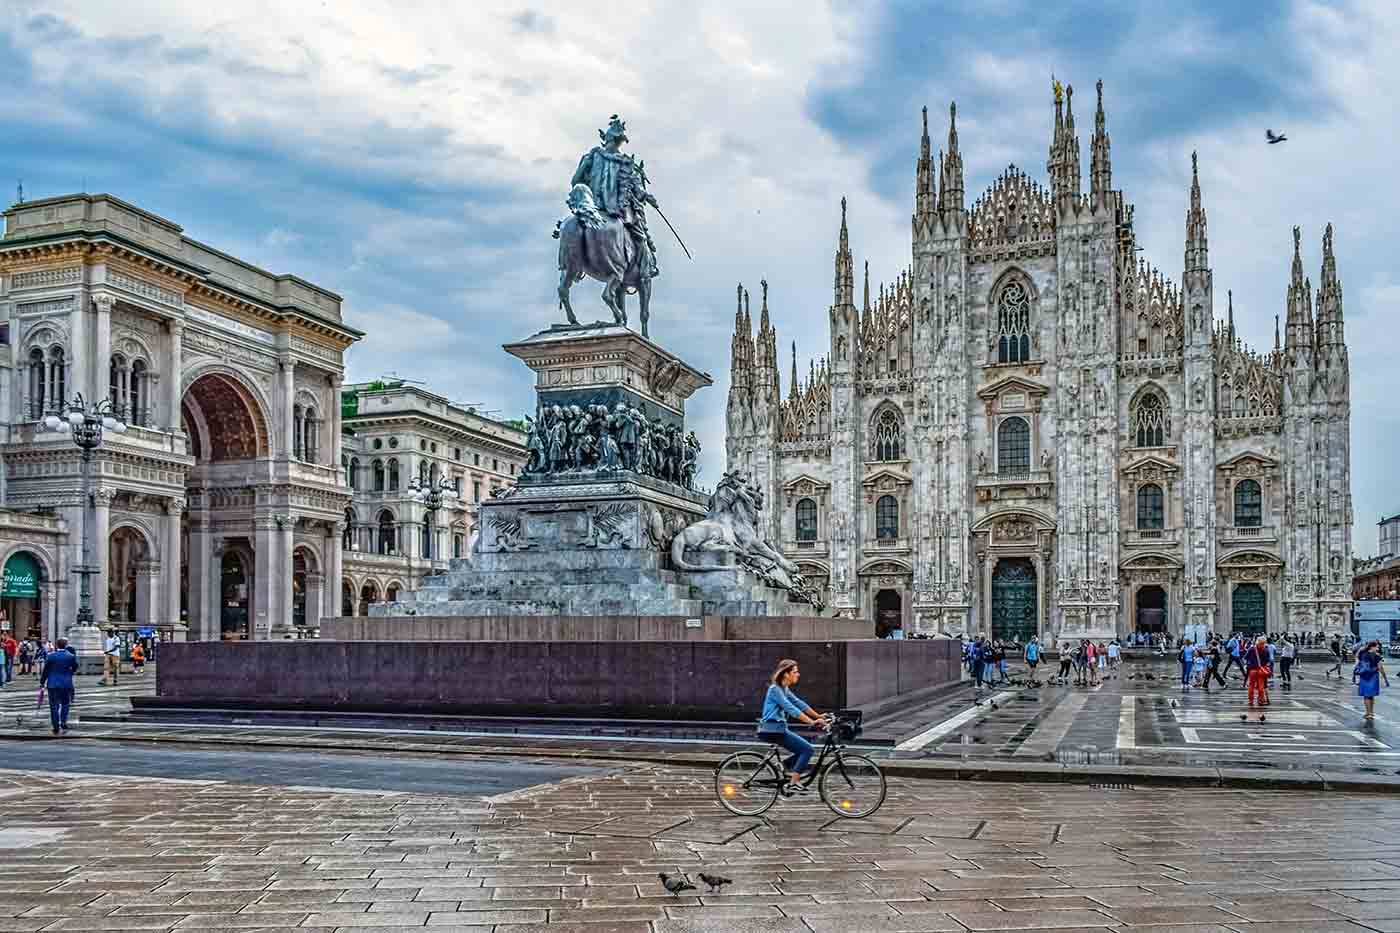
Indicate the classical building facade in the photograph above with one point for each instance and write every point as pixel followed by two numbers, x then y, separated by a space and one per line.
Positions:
pixel 1033 431
pixel 397 434
pixel 220 510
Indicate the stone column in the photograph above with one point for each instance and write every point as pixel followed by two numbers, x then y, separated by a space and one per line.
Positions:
pixel 204 575
pixel 334 570
pixel 315 599
pixel 172 381
pixel 101 552
pixel 288 394
pixel 1041 596
pixel 172 559
pixel 280 619
pixel 147 592
pixel 332 443
pixel 267 566
pixel 102 357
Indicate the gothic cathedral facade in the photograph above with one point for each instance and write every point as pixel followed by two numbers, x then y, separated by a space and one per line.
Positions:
pixel 1033 432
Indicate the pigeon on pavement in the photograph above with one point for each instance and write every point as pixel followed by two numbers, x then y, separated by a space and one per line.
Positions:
pixel 715 881
pixel 675 885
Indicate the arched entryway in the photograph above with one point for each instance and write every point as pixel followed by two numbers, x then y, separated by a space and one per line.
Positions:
pixel 889 612
pixel 1151 610
pixel 234 577
pixel 369 595
pixel 227 426
pixel 1015 603
pixel 22 597
pixel 130 579
pixel 1249 609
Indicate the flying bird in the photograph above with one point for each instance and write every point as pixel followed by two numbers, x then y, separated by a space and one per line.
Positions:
pixel 675 885
pixel 1272 138
pixel 715 882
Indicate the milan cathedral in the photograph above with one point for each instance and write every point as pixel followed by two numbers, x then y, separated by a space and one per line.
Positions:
pixel 1032 432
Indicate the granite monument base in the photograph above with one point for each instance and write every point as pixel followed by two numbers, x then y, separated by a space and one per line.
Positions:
pixel 658 680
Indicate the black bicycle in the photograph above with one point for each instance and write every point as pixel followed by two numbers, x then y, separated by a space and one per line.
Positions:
pixel 747 783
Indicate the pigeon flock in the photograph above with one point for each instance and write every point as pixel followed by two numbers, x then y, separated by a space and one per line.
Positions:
pixel 677 885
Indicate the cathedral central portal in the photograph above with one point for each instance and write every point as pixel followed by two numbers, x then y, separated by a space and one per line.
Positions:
pixel 1014 615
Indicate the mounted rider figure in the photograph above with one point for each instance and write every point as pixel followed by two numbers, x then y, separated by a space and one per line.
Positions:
pixel 619 186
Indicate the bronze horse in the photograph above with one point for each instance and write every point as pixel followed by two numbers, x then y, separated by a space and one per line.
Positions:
pixel 600 247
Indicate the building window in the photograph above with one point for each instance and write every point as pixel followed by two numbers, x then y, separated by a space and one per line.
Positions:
pixel 1014 447
pixel 116 385
pixel 388 537
pixel 378 443
pixel 393 442
pixel 1150 425
pixel 1249 504
pixel 378 468
pixel 58 378
pixel 806 520
pixel 423 444
pixel 512 469
pixel 457 486
pixel 38 384
pixel 353 473
pixel 476 491
pixel 888 441
pixel 137 405
pixel 886 518
pixel 347 536
pixel 1149 507
pixel 393 474
pixel 458 542
pixel 495 465
pixel 432 448
pixel 423 472
pixel 476 459
pixel 457 454
pixel 1013 324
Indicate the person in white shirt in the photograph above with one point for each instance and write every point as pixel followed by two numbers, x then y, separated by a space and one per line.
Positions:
pixel 111 659
pixel 1115 655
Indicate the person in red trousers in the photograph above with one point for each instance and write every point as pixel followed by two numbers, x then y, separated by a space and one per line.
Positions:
pixel 1257 672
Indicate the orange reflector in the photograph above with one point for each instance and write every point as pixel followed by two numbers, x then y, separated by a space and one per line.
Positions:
pixel 845 805
pixel 729 790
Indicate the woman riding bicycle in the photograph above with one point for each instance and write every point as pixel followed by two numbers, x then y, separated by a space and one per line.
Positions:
pixel 778 704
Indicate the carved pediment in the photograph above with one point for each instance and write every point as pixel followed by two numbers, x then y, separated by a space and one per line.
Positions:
pixel 1151 468
pixel 805 485
pixel 1248 559
pixel 885 480
pixel 1014 385
pixel 884 566
pixel 1249 463
pixel 1035 519
pixel 1151 561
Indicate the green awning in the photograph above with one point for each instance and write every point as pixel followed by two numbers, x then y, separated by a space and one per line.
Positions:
pixel 21 576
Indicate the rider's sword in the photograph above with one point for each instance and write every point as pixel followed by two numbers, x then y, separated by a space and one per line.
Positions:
pixel 673 232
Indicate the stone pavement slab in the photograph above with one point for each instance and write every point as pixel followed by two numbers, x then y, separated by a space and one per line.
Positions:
pixel 213 855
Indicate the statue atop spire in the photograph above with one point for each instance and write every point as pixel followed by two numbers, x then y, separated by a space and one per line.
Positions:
pixel 1100 165
pixel 951 167
pixel 1197 248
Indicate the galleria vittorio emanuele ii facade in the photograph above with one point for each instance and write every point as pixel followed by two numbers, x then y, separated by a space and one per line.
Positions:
pixel 1032 431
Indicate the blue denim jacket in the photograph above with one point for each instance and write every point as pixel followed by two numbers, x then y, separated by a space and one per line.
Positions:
pixel 778 704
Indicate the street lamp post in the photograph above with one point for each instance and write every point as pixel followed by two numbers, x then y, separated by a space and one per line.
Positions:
pixel 86 424
pixel 432 495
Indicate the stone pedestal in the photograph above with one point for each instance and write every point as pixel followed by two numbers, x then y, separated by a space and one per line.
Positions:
pixel 590 533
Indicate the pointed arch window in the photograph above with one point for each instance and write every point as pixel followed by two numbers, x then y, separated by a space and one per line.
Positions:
pixel 1013 323
pixel 1150 424
pixel 58 378
pixel 378 469
pixel 1149 508
pixel 1014 447
pixel 887 442
pixel 353 473
pixel 1249 504
pixel 116 384
pixel 136 394
pixel 388 534
pixel 38 384
pixel 806 521
pixel 886 518
pixel 393 474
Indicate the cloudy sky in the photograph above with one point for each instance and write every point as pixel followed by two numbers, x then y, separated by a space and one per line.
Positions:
pixel 414 156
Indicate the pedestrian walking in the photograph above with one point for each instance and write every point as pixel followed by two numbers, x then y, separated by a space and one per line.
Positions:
pixel 1336 648
pixel 979 657
pixel 10 647
pixel 138 659
pixel 1115 656
pixel 111 658
pixel 1256 665
pixel 1234 650
pixel 1213 658
pixel 1370 671
pixel 26 657
pixel 1066 659
pixel 1090 662
pixel 1188 658
pixel 1033 656
pixel 1286 654
pixel 57 679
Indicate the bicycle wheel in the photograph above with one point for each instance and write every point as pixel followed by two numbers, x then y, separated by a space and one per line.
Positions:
pixel 853 786
pixel 746 783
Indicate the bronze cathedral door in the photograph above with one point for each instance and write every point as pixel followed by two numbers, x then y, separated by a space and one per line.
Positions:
pixel 1015 614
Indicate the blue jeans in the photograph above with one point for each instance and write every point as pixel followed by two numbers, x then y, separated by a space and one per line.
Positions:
pixel 9 668
pixel 60 699
pixel 801 750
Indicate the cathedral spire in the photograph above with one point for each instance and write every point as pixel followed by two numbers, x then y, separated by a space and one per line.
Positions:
pixel 865 308
pixel 1299 331
pixel 1330 320
pixel 1197 251
pixel 1230 313
pixel 1071 148
pixel 740 347
pixel 1100 165
pixel 845 271
pixel 925 192
pixel 950 198
pixel 1276 343
pixel 792 385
